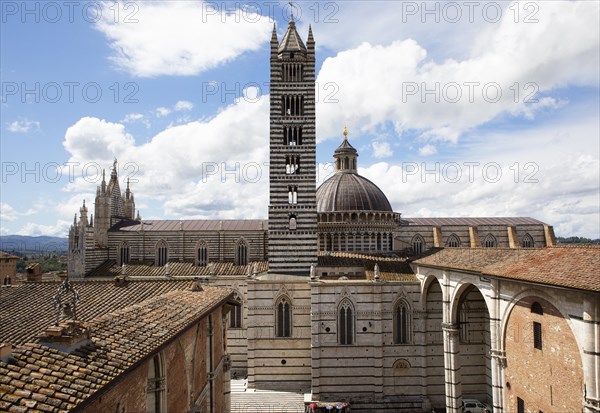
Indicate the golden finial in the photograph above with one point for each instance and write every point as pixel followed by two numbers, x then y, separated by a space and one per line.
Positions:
pixel 345 132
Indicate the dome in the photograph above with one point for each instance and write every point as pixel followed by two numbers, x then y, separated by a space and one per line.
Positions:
pixel 350 192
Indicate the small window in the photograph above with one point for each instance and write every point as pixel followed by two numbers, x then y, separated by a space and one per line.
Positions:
pixel 156 386
pixel 283 318
pixel 162 253
pixel 536 308
pixel 520 405
pixel 346 323
pixel 293 223
pixel 293 195
pixel 418 245
pixel 463 316
pixel 490 241
pixel 527 241
pixel 453 241
pixel 537 335
pixel 235 317
pixel 402 324
pixel 202 254
pixel 241 253
pixel 124 254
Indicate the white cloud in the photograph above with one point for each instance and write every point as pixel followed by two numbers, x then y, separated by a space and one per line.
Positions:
pixel 179 38
pixel 382 150
pixel 549 173
pixel 427 150
pixel 162 112
pixel 61 229
pixel 213 168
pixel 7 213
pixel 23 126
pixel 511 58
pixel 132 117
pixel 183 105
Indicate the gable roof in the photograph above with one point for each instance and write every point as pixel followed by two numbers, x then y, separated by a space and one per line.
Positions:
pixel 46 379
pixel 28 308
pixel 571 267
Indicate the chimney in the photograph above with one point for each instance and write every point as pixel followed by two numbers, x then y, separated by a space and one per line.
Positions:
pixel 5 350
pixel 34 272
pixel 67 336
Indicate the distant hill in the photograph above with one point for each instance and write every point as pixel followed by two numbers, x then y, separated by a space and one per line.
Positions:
pixel 577 241
pixel 21 244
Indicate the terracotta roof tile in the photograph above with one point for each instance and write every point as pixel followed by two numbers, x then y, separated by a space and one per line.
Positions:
pixel 118 340
pixel 27 309
pixel 391 268
pixel 572 267
pixel 176 268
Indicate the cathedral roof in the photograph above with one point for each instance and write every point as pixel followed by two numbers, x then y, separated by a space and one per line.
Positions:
pixel 291 41
pixel 193 225
pixel 471 221
pixel 351 192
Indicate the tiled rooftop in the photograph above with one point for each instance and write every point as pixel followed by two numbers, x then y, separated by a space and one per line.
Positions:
pixel 176 268
pixel 573 267
pixel 391 268
pixel 27 309
pixel 39 378
pixel 504 221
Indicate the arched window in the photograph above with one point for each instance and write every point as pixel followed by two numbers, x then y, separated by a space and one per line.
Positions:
pixel 536 308
pixel 453 241
pixel 283 318
pixel 527 241
pixel 124 253
pixel 241 253
pixel 156 386
pixel 293 223
pixel 490 241
pixel 418 245
pixel 162 253
pixel 402 323
pixel 202 254
pixel 235 315
pixel 346 323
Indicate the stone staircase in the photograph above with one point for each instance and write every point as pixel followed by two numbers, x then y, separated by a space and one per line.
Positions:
pixel 244 400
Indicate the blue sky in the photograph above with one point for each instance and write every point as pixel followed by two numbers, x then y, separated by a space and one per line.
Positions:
pixel 456 108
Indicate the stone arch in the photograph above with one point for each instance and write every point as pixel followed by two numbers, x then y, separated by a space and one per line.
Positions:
pixel 470 312
pixel 433 303
pixel 453 241
pixel 527 241
pixel 490 241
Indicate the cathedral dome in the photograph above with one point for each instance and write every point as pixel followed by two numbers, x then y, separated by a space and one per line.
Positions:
pixel 346 191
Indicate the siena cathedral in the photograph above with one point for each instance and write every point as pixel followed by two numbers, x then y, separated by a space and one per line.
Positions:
pixel 345 299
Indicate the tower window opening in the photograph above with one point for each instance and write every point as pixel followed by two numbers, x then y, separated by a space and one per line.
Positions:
pixel 293 195
pixel 292 164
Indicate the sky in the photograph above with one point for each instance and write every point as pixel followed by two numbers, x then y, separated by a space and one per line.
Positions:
pixel 456 108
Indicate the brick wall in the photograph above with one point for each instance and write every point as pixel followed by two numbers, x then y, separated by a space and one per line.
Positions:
pixel 550 379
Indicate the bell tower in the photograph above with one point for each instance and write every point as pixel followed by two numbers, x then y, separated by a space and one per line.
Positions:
pixel 292 175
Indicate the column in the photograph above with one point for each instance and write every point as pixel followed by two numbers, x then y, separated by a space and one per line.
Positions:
pixel 452 367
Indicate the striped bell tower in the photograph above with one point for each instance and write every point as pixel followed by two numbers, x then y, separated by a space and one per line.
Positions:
pixel 292 175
